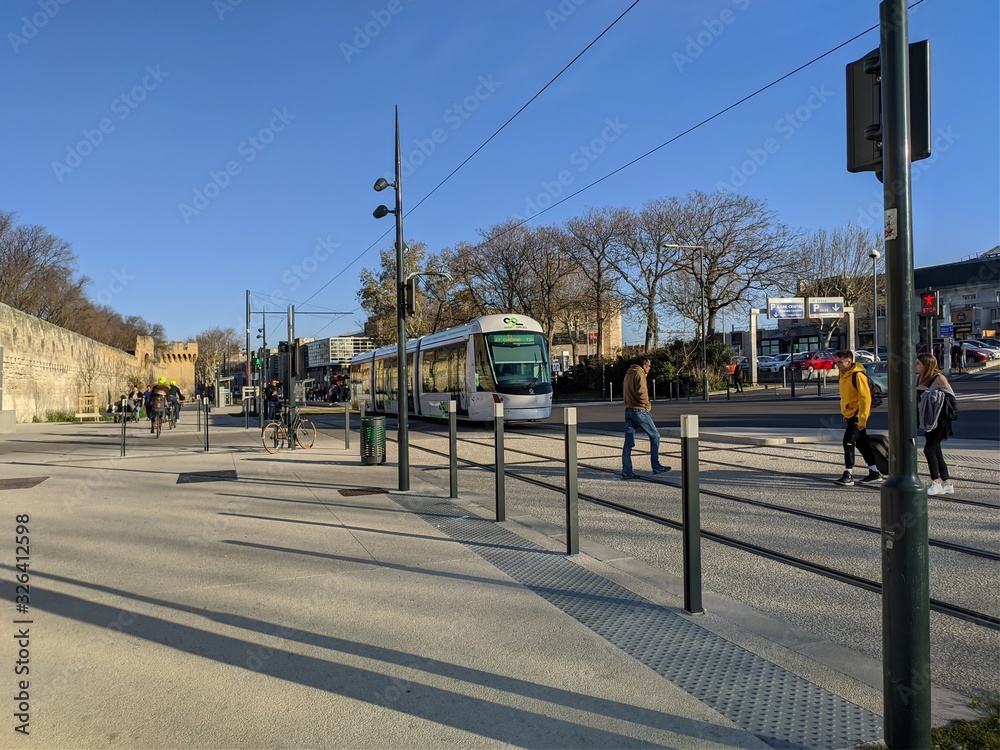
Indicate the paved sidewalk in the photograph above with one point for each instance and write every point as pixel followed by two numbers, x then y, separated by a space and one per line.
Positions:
pixel 236 599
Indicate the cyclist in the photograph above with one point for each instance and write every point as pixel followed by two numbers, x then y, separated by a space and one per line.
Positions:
pixel 159 393
pixel 175 399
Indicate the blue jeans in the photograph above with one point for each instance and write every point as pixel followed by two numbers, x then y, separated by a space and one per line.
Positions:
pixel 640 419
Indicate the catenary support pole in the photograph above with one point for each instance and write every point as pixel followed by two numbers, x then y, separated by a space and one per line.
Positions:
pixel 906 676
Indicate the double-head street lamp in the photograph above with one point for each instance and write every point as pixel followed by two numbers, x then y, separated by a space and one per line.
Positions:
pixel 403 391
pixel 701 283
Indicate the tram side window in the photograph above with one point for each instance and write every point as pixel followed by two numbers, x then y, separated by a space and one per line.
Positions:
pixel 427 371
pixel 484 370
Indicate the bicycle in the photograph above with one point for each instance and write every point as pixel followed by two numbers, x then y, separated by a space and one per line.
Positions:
pixel 274 436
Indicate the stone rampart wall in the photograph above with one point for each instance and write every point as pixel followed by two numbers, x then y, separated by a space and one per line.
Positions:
pixel 46 368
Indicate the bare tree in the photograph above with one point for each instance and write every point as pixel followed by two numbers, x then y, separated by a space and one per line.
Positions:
pixel 492 271
pixel 838 264
pixel 214 346
pixel 645 262
pixel 744 250
pixel 595 236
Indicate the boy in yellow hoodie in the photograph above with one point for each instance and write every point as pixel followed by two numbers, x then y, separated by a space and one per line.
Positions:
pixel 856 406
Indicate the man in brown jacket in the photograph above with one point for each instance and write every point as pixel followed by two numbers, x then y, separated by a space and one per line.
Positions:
pixel 637 417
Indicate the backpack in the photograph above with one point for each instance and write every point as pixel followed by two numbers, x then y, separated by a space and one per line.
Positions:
pixel 876 395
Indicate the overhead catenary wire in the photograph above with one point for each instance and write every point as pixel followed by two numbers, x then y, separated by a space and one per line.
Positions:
pixel 613 172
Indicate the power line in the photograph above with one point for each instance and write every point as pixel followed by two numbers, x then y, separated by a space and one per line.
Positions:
pixel 483 145
pixel 628 164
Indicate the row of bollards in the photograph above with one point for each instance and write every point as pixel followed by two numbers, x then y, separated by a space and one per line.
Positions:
pixel 691 514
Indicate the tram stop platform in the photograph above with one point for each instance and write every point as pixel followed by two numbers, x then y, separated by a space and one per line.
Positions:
pixel 236 599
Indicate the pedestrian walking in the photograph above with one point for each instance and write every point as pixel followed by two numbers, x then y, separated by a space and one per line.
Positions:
pixel 936 410
pixel 635 394
pixel 957 360
pixel 855 406
pixel 738 378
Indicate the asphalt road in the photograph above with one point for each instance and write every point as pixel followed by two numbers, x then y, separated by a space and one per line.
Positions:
pixel 978 404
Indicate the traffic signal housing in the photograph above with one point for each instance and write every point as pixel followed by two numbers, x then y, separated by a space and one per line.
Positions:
pixel 864 109
pixel 410 296
pixel 929 304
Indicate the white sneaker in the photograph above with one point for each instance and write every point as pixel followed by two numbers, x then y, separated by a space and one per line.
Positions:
pixel 947 488
pixel 935 489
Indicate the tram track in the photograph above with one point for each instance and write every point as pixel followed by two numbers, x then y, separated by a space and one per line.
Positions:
pixel 834 520
pixel 953 610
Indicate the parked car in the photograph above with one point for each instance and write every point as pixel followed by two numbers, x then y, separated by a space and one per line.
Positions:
pixel 777 363
pixel 818 360
pixel 863 355
pixel 983 344
pixel 878 376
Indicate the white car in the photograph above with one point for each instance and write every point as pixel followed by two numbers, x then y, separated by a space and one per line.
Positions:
pixel 863 356
pixel 777 364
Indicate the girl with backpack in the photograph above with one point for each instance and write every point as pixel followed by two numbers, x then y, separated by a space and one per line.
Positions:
pixel 936 410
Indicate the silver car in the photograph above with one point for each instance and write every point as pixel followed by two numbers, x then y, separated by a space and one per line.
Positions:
pixel 777 364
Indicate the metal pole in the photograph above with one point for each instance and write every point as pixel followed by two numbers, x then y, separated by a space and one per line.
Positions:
pixel 205 405
pixel 572 494
pixel 906 676
pixel 452 450
pixel 290 379
pixel 347 425
pixel 704 354
pixel 875 303
pixel 403 392
pixel 124 416
pixel 247 420
pixel 691 514
pixel 498 435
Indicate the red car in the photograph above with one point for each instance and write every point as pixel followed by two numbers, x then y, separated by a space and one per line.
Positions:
pixel 819 360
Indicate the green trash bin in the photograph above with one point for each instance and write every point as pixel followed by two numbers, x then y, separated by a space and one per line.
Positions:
pixel 372 440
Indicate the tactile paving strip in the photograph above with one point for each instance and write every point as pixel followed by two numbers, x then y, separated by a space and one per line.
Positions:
pixel 781 708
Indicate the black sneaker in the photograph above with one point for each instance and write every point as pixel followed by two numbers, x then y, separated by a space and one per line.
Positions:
pixel 873 476
pixel 846 479
pixel 661 469
pixel 627 477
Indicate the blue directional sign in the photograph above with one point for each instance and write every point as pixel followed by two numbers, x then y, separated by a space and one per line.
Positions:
pixel 786 307
pixel 947 330
pixel 826 307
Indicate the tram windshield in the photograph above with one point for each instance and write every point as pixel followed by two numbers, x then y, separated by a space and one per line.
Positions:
pixel 520 359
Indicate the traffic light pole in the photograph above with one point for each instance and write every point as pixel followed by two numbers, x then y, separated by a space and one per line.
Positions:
pixel 906 674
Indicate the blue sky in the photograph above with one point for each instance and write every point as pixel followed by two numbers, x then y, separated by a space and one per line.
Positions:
pixel 237 141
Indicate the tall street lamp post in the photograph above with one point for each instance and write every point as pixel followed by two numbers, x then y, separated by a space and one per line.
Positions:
pixel 701 283
pixel 402 390
pixel 875 255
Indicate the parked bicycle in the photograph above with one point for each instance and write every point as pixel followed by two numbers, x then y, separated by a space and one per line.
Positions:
pixel 275 434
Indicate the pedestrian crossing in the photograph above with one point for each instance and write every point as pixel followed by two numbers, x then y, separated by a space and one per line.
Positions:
pixel 977 396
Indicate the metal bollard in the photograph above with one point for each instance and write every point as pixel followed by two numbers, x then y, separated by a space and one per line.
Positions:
pixel 727 389
pixel 791 376
pixel 611 392
pixel 125 416
pixel 452 450
pixel 572 495
pixel 498 438
pixel 206 424
pixel 347 425
pixel 691 514
pixel 819 389
pixel 654 390
pixel 198 412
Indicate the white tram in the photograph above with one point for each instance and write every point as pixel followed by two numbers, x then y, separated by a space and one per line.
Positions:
pixel 492 359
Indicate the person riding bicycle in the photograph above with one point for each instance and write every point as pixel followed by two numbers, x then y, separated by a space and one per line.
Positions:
pixel 159 395
pixel 176 397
